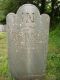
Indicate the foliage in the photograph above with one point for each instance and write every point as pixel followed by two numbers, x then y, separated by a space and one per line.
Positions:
pixel 52 7
pixel 53 63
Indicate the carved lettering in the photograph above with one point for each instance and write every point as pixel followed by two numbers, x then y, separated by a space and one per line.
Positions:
pixel 28 17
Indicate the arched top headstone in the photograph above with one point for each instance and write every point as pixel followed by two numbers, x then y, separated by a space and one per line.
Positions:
pixel 28 37
pixel 28 8
pixel 28 13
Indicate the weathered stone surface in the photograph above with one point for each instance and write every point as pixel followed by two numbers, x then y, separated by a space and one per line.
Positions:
pixel 28 41
pixel 2 28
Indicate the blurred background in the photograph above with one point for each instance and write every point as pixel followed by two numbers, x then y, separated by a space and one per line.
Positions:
pixel 52 8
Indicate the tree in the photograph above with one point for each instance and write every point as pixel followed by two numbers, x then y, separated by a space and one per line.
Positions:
pixel 53 3
pixel 43 4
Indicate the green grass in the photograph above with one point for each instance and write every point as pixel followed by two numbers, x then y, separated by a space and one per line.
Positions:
pixel 53 62
pixel 4 72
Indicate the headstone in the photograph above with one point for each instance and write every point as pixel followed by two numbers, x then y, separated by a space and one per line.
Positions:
pixel 28 42
pixel 1 28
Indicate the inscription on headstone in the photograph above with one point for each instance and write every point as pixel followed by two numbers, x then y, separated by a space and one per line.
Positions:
pixel 28 41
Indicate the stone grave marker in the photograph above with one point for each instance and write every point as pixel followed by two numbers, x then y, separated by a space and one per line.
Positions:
pixel 27 42
pixel 2 28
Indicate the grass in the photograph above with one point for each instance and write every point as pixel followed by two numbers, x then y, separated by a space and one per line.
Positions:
pixel 53 62
pixel 4 72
